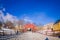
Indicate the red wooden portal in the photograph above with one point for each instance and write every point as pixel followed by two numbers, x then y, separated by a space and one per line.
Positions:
pixel 31 26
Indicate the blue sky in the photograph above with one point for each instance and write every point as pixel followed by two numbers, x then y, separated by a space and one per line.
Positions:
pixel 37 11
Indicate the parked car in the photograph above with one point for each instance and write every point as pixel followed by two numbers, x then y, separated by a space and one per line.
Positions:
pixel 1 32
pixel 8 31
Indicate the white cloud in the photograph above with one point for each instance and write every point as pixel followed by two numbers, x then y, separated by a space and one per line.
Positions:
pixel 3 9
pixel 11 18
pixel 8 17
pixel 39 18
pixel 43 18
pixel 1 15
pixel 27 19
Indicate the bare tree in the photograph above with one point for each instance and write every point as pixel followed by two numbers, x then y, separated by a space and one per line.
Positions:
pixel 20 22
pixel 0 25
pixel 9 24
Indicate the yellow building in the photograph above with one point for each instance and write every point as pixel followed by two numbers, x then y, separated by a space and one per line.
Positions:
pixel 19 28
pixel 39 28
pixel 56 26
pixel 48 26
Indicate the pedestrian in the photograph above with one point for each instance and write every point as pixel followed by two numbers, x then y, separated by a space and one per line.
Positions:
pixel 58 36
pixel 17 32
pixel 46 38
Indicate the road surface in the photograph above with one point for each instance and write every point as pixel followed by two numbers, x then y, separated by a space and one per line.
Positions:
pixel 33 36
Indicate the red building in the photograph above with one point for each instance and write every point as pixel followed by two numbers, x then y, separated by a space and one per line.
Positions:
pixel 30 27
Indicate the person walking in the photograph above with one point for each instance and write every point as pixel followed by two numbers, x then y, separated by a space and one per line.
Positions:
pixel 46 38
